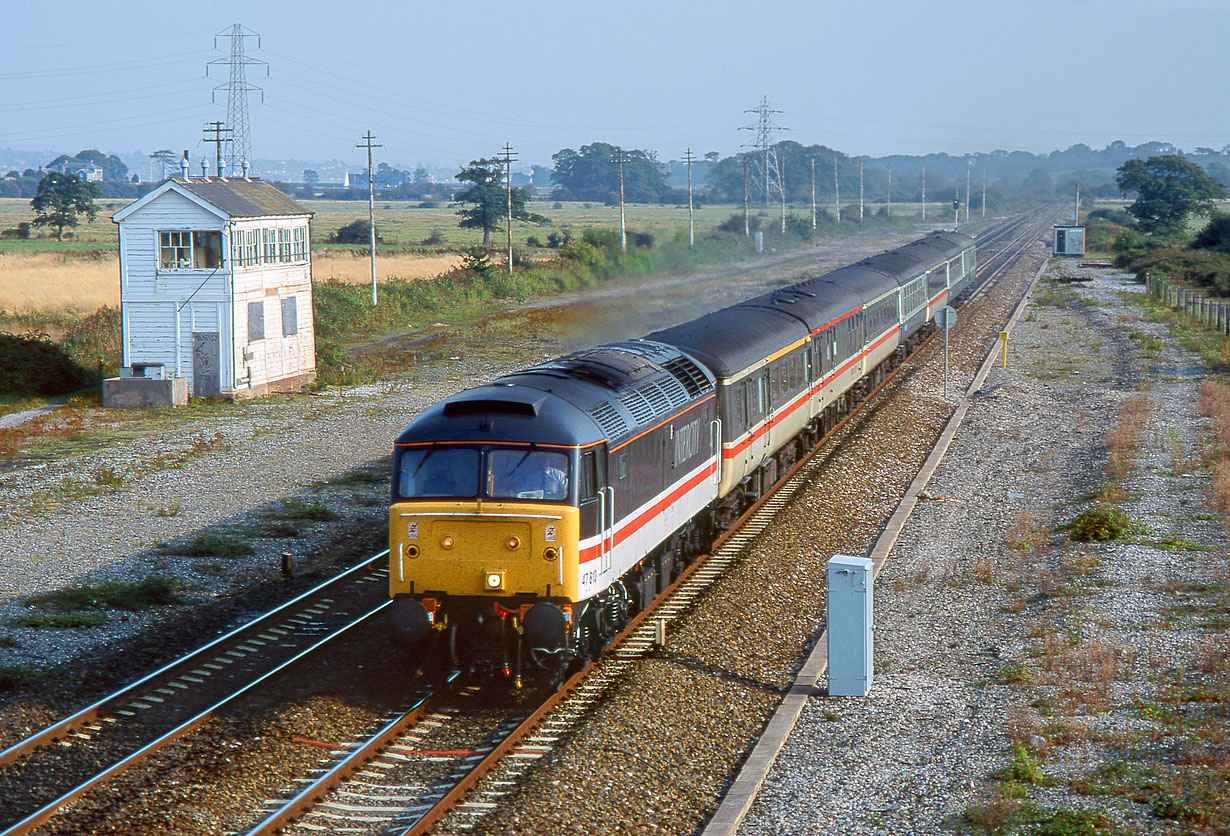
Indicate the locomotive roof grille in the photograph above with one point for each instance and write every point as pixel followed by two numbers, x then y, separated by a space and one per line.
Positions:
pixel 609 419
pixel 694 381
pixel 640 407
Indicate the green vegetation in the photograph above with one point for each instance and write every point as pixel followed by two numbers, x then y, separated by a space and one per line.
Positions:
pixel 212 545
pixel 13 675
pixel 60 621
pixel 34 365
pixel 293 509
pixel 154 591
pixel 61 198
pixel 1168 188
pixel 488 201
pixel 1106 522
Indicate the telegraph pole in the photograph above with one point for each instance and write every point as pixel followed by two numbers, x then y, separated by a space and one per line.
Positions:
pixel 747 231
pixel 813 192
pixel 620 158
pixel 956 199
pixel 508 159
pixel 836 190
pixel 860 190
pixel 689 159
pixel 984 191
pixel 924 192
pixel 371 204
pixel 217 129
pixel 968 163
pixel 890 190
pixel 783 186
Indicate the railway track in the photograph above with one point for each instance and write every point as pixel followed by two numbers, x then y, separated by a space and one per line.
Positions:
pixel 485 780
pixel 47 771
pixel 419 765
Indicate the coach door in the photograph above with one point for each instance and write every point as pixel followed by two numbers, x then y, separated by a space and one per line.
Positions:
pixel 596 501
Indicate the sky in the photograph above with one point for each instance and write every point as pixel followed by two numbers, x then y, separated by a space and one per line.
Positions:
pixel 447 82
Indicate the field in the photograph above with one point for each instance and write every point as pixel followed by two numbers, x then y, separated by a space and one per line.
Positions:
pixel 80 274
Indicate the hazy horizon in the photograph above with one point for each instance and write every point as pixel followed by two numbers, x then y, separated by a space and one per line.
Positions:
pixel 442 85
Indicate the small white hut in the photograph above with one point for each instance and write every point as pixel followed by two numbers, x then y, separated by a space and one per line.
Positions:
pixel 215 287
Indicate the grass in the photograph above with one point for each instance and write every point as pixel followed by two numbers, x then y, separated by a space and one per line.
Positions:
pixel 13 675
pixel 212 545
pixel 293 509
pixel 60 621
pixel 154 591
pixel 1123 440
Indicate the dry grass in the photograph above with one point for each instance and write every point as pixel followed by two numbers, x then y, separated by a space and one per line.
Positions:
pixel 1027 535
pixel 1123 439
pixel 355 268
pixel 52 282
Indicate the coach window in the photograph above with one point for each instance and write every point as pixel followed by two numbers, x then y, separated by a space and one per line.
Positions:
pixel 761 393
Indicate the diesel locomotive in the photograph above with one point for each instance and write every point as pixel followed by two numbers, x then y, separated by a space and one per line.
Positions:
pixel 533 516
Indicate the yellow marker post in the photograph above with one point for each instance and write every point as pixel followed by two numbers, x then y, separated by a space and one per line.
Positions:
pixel 1003 338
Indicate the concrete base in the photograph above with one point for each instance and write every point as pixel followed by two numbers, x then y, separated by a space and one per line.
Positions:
pixel 143 392
pixel 295 383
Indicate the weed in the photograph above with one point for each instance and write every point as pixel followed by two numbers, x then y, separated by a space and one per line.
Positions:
pixel 274 529
pixel 1100 524
pixel 293 509
pixel 1024 768
pixel 60 621
pixel 13 675
pixel 107 477
pixel 1027 535
pixel 1014 675
pixel 172 510
pixel 212 545
pixel 8 641
pixel 154 591
pixel 1124 437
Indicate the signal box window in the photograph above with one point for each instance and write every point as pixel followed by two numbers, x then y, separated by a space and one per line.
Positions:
pixel 200 250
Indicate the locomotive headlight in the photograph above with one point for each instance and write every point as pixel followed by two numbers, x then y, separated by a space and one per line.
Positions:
pixel 513 543
pixel 550 553
pixel 447 541
pixel 412 551
pixel 494 580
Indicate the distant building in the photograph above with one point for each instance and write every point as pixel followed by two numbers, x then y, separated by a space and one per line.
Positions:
pixel 215 287
pixel 87 171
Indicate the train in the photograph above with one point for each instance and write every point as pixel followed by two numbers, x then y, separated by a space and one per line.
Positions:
pixel 532 517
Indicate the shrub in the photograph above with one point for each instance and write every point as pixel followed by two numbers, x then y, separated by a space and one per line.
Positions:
pixel 476 260
pixel 355 232
pixel 34 365
pixel 435 239
pixel 1100 524
pixel 1216 235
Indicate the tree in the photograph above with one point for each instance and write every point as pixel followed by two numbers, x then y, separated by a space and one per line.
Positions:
pixel 591 174
pixel 310 177
pixel 487 199
pixel 1168 188
pixel 60 199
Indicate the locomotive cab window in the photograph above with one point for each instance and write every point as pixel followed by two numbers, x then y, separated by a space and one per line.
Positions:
pixel 587 477
pixel 527 474
pixel 439 472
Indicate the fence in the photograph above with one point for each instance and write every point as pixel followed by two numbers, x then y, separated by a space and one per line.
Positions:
pixel 1191 304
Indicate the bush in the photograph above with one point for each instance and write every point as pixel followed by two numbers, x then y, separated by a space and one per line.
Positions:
pixel 1100 524
pixel 1215 236
pixel 34 365
pixel 476 260
pixel 114 595
pixel 435 239
pixel 355 232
